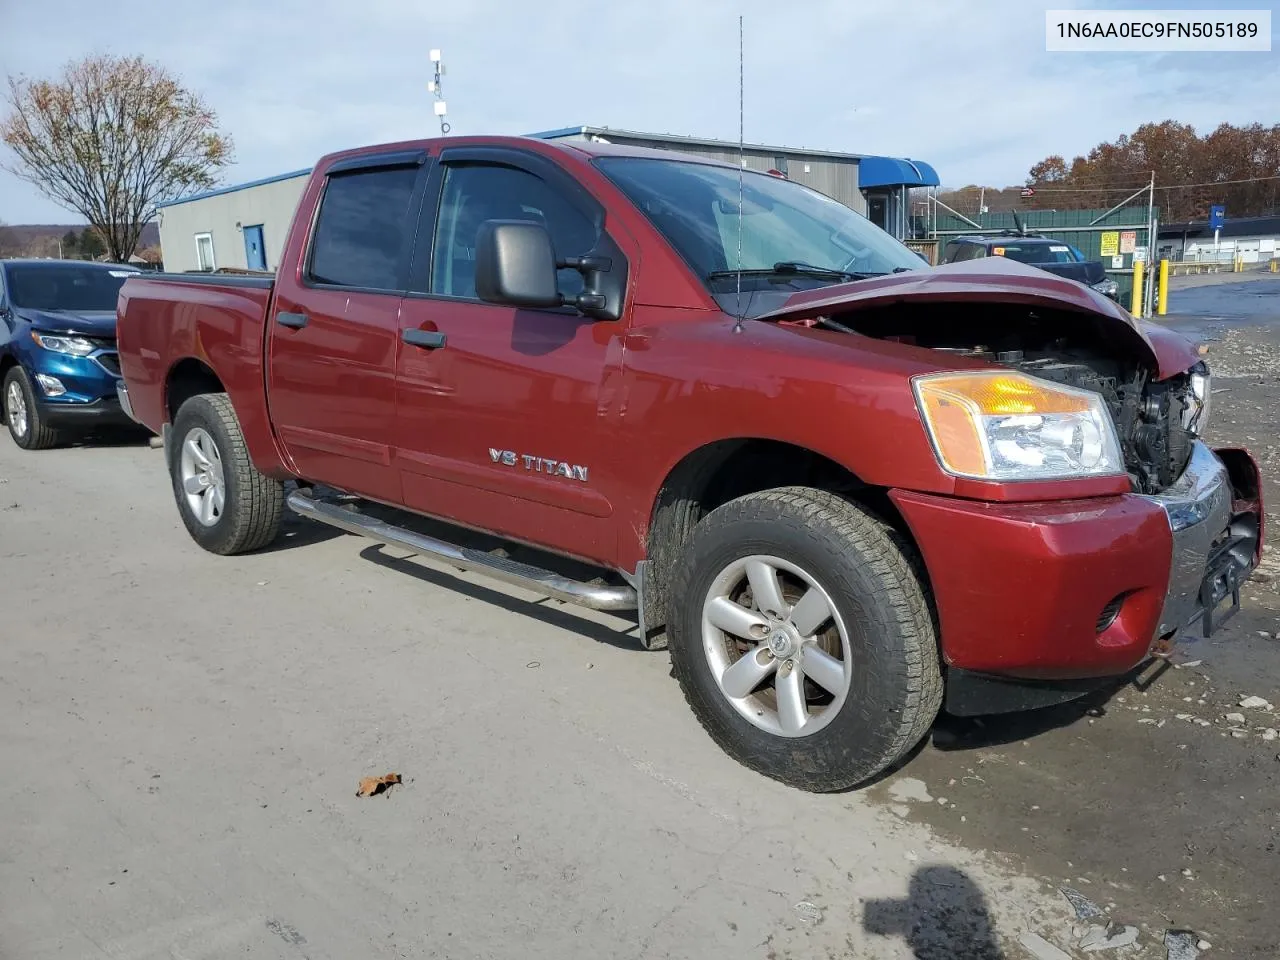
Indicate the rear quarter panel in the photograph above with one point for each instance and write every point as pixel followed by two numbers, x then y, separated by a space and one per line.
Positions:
pixel 163 321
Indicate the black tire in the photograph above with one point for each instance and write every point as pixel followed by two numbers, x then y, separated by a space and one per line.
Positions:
pixel 37 435
pixel 869 571
pixel 253 503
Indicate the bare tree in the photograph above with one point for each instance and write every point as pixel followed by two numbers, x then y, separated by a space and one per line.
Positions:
pixel 111 138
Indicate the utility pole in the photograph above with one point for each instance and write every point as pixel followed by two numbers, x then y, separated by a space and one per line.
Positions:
pixel 434 86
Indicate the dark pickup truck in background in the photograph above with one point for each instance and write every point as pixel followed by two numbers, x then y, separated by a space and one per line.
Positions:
pixel 842 487
pixel 1056 257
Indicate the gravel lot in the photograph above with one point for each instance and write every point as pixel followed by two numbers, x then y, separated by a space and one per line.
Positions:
pixel 184 735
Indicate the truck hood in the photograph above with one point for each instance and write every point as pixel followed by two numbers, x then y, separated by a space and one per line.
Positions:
pixel 997 280
pixel 88 323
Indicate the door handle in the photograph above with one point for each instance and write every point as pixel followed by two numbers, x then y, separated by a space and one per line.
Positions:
pixel 295 320
pixel 427 339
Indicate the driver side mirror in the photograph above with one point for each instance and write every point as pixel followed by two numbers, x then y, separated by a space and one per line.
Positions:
pixel 516 265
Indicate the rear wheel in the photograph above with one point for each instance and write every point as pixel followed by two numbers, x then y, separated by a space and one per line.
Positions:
pixel 803 640
pixel 26 426
pixel 226 504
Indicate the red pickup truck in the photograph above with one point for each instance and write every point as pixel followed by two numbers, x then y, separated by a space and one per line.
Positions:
pixel 844 488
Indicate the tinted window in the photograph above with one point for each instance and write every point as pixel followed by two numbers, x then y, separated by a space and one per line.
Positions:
pixel 474 194
pixel 65 287
pixel 363 228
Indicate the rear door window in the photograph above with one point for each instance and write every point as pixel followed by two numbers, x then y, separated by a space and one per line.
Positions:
pixel 364 229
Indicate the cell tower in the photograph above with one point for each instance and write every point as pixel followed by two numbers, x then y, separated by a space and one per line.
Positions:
pixel 434 86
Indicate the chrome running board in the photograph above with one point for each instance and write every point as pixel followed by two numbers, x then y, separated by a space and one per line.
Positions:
pixel 522 575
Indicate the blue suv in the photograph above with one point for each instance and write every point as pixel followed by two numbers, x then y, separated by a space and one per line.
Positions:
pixel 58 363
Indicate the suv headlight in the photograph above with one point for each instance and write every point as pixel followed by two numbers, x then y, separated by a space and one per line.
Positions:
pixel 1108 287
pixel 1007 426
pixel 1195 415
pixel 75 346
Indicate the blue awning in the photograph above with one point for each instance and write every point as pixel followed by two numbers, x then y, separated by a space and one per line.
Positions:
pixel 895 172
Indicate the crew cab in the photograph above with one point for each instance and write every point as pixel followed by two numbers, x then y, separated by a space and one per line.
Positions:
pixel 844 489
pixel 58 368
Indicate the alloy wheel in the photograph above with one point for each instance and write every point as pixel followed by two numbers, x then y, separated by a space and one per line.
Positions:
pixel 16 409
pixel 778 648
pixel 203 480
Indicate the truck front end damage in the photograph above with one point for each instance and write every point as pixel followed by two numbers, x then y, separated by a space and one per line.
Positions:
pixel 1040 601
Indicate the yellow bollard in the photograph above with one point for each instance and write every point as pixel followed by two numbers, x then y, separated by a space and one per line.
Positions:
pixel 1136 306
pixel 1162 291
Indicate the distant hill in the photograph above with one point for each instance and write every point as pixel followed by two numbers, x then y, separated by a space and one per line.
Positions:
pixel 34 238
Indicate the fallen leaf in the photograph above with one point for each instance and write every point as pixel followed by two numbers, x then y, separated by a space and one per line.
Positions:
pixel 372 786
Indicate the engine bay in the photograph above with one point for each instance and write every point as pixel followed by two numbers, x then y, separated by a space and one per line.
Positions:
pixel 1156 421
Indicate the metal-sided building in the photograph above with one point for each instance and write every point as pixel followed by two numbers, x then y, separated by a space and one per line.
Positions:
pixel 244 226
pixel 1249 239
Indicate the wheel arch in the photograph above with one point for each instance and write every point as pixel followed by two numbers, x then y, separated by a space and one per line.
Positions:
pixel 187 378
pixel 723 470
pixel 191 376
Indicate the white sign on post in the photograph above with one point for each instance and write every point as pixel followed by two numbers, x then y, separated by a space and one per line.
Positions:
pixel 1139 254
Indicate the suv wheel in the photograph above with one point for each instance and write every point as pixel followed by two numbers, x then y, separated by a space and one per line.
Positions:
pixel 22 415
pixel 803 640
pixel 226 504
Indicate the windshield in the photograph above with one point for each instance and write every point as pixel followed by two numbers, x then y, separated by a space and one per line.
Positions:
pixel 1036 252
pixel 73 287
pixel 695 206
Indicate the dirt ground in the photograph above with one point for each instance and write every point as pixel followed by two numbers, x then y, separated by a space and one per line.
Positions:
pixel 183 736
pixel 1146 798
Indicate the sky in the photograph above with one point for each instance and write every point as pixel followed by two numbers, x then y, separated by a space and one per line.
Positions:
pixel 965 85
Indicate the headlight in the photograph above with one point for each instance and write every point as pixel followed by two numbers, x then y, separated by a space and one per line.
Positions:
pixel 1195 415
pixel 75 346
pixel 1007 426
pixel 1108 288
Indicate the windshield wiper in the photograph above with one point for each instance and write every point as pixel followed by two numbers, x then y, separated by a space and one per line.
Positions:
pixel 791 268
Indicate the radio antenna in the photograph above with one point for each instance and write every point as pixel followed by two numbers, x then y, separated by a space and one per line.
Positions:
pixel 742 162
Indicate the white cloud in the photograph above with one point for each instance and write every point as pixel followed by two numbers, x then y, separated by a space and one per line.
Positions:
pixel 965 85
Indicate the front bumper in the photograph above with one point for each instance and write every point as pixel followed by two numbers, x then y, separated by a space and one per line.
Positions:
pixel 104 412
pixel 1087 589
pixel 1215 545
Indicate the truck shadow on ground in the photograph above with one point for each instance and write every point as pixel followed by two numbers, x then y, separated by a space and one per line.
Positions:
pixel 978 733
pixel 943 917
pixel 550 612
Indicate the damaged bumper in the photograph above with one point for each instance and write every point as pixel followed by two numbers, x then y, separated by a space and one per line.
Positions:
pixel 1215 522
pixel 1037 602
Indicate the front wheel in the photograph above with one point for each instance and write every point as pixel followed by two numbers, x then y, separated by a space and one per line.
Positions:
pixel 803 640
pixel 226 504
pixel 22 415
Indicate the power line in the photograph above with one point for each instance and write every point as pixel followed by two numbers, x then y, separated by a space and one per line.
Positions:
pixel 1171 186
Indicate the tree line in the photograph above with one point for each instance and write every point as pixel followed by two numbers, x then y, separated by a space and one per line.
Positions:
pixel 1235 166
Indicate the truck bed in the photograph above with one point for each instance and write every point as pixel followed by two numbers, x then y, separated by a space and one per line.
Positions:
pixel 214 320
